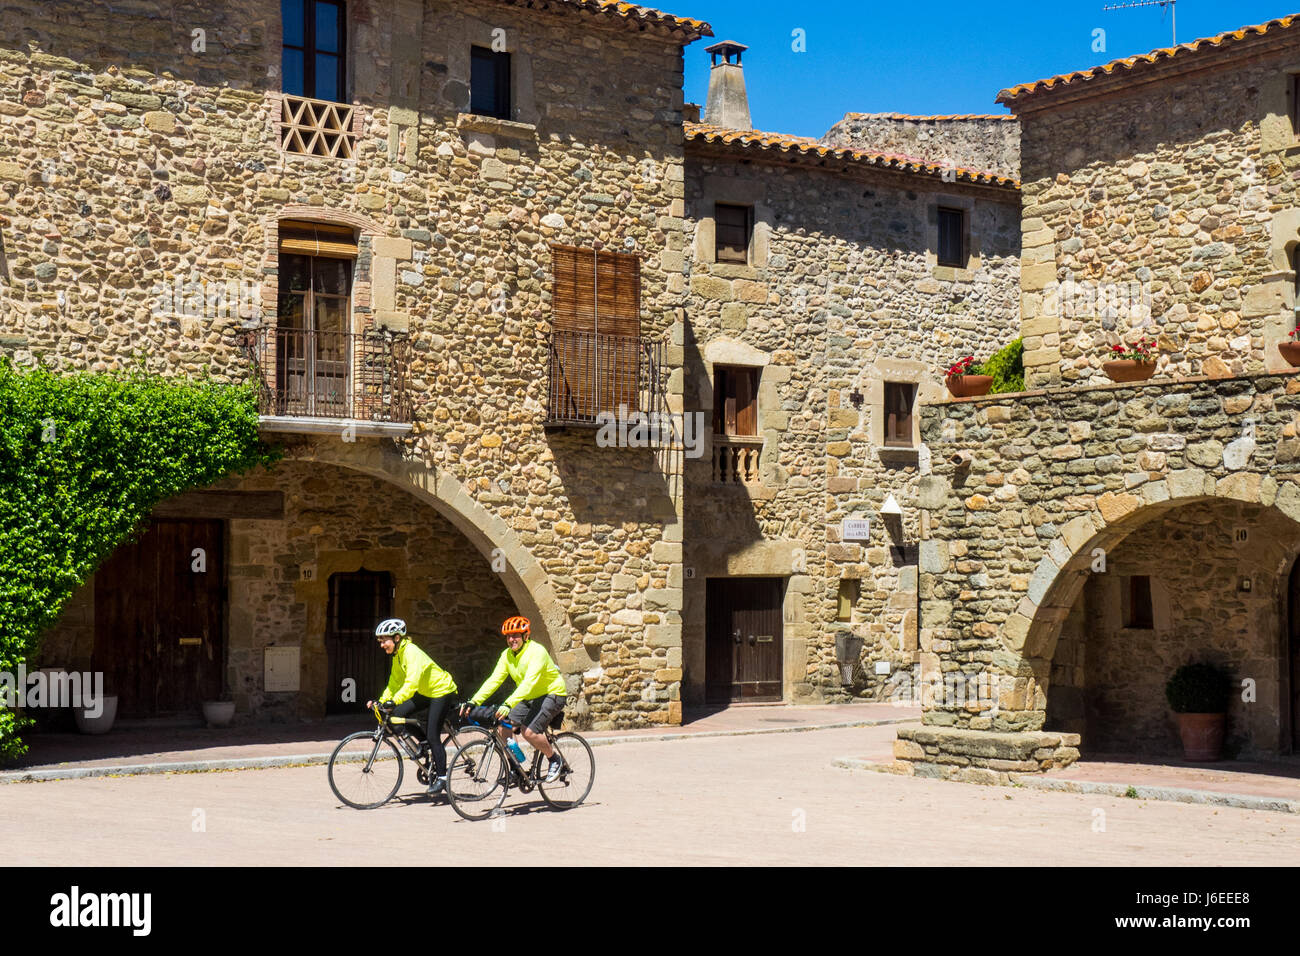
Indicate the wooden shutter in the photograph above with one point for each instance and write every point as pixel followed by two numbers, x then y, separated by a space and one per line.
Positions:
pixel 952 237
pixel 732 226
pixel 735 401
pixel 317 239
pixel 596 318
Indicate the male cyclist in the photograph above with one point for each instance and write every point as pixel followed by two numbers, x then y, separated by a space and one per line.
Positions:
pixel 416 683
pixel 539 690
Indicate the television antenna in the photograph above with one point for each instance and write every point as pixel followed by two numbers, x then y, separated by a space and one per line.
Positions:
pixel 1171 4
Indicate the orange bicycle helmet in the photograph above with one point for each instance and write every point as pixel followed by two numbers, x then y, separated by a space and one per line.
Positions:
pixel 515 625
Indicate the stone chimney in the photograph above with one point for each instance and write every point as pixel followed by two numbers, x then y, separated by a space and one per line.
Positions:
pixel 728 103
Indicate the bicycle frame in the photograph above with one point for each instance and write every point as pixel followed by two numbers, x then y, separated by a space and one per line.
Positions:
pixel 524 779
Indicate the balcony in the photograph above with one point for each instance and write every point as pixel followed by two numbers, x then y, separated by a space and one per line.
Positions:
pixel 735 459
pixel 312 381
pixel 593 374
pixel 311 127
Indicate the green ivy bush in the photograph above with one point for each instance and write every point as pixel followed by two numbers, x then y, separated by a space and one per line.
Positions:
pixel 1007 366
pixel 83 460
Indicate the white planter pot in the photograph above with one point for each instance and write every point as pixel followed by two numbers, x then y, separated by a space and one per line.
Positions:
pixel 101 724
pixel 218 713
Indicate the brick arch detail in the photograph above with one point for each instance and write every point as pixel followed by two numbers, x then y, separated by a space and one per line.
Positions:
pixel 524 578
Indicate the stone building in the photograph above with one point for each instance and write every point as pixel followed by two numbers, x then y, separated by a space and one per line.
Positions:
pixel 818 317
pixel 386 215
pixel 1101 535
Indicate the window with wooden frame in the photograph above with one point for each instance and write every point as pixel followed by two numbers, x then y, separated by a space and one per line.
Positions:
pixel 595 333
pixel 489 83
pixel 1137 606
pixel 1293 94
pixel 952 237
pixel 733 227
pixel 735 401
pixel 313 319
pixel 313 61
pixel 900 399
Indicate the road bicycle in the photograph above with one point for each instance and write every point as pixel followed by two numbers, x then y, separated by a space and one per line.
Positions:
pixel 480 775
pixel 366 769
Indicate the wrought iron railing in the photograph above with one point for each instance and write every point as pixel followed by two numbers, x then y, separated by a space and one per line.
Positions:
pixel 309 374
pixel 735 459
pixel 593 374
pixel 317 127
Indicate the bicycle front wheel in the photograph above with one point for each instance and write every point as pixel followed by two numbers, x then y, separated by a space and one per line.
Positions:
pixel 577 776
pixel 365 771
pixel 476 779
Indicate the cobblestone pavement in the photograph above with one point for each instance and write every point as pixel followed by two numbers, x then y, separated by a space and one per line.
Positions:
pixel 762 799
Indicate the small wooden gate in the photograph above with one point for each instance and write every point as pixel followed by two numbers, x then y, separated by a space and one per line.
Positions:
pixel 159 606
pixel 743 639
pixel 358 601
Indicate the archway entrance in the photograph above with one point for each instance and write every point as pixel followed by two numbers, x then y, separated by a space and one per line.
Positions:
pixel 1203 580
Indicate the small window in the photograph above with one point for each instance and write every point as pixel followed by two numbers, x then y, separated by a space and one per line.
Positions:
pixel 1293 91
pixel 489 84
pixel 900 398
pixel 733 227
pixel 847 598
pixel 952 237
pixel 1138 612
pixel 312 60
pixel 735 401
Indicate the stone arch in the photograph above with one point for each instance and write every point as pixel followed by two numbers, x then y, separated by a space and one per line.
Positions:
pixel 1032 631
pixel 524 578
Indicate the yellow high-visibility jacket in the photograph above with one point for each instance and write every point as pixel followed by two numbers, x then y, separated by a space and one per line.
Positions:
pixel 534 673
pixel 415 672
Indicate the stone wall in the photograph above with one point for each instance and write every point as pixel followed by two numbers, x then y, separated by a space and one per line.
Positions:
pixel 989 143
pixel 1168 209
pixel 1010 542
pixel 841 293
pixel 130 160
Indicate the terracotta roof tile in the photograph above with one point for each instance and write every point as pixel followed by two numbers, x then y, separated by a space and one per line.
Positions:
pixel 807 146
pixel 1131 63
pixel 632 11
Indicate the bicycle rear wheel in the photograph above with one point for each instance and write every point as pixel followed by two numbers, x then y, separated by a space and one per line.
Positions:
pixel 365 772
pixel 575 779
pixel 476 779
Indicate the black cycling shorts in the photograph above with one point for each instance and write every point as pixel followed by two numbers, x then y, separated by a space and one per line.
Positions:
pixel 537 713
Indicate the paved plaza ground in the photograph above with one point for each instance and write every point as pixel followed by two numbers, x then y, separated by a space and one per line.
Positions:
pixel 753 799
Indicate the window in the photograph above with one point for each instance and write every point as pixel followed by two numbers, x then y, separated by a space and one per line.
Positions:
pixel 595 333
pixel 314 44
pixel 1137 612
pixel 848 597
pixel 900 397
pixel 489 83
pixel 1293 91
pixel 733 227
pixel 735 401
pixel 952 237
pixel 313 345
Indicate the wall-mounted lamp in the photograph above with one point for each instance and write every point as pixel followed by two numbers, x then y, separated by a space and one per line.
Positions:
pixel 856 398
pixel 892 515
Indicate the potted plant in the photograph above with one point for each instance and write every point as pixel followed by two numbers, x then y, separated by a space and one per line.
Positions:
pixel 1290 350
pixel 1133 363
pixel 964 379
pixel 1198 694
pixel 219 712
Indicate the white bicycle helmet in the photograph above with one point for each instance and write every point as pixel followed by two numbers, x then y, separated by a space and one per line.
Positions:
pixel 393 627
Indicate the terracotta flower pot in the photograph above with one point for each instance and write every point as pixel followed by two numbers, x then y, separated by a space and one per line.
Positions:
pixel 964 386
pixel 1291 352
pixel 1129 370
pixel 1202 735
pixel 218 713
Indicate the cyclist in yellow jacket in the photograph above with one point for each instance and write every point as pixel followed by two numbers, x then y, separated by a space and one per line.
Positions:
pixel 539 692
pixel 415 684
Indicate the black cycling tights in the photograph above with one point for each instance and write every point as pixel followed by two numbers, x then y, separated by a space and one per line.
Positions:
pixel 437 709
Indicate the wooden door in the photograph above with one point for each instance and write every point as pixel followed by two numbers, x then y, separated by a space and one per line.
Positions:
pixel 743 639
pixel 358 601
pixel 159 613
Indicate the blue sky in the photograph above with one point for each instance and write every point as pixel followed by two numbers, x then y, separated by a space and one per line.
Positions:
pixel 936 56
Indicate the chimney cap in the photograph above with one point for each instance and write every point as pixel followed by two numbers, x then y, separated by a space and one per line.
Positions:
pixel 726 49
